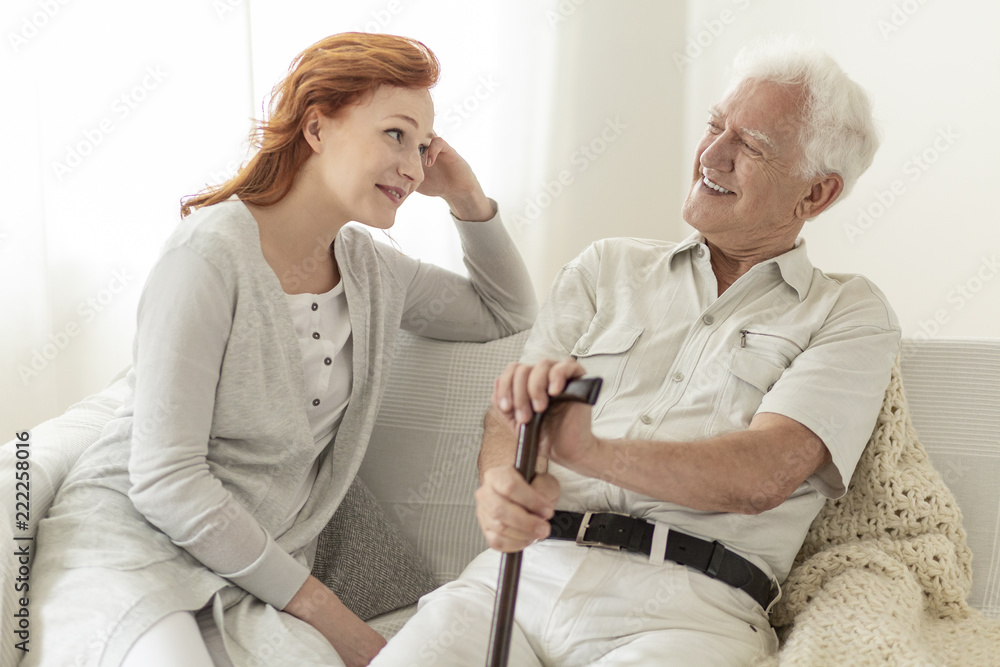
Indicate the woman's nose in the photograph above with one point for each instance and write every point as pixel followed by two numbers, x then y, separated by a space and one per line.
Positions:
pixel 412 167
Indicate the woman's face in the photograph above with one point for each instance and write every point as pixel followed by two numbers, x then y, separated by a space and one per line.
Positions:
pixel 371 156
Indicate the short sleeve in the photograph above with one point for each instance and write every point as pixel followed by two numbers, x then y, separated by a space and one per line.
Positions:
pixel 836 385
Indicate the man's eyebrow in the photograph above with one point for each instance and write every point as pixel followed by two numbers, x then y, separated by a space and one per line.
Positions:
pixel 755 134
pixel 759 136
pixel 409 120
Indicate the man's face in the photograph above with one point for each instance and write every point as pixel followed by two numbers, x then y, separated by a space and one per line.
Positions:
pixel 743 191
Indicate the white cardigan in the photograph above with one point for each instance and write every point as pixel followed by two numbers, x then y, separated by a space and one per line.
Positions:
pixel 218 434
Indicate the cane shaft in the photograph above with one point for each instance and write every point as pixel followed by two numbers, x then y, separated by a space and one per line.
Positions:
pixel 526 458
pixel 510 563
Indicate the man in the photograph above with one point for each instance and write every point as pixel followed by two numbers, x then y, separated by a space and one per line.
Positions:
pixel 740 387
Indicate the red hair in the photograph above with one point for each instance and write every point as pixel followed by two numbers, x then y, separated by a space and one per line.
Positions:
pixel 330 75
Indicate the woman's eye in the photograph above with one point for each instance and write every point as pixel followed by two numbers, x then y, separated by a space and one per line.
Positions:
pixel 395 134
pixel 422 149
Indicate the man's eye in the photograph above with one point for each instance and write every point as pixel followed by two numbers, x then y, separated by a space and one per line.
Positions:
pixel 750 149
pixel 713 127
pixel 395 134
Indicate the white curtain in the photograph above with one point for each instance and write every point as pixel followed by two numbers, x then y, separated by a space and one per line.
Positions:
pixel 112 110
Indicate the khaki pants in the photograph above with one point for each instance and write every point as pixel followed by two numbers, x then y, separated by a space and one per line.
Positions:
pixel 586 606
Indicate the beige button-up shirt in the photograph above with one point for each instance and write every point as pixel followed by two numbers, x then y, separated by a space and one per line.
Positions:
pixel 681 363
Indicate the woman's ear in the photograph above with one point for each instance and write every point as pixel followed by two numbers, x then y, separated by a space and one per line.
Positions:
pixel 311 129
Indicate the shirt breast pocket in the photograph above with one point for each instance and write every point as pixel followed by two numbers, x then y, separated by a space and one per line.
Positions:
pixel 604 352
pixel 755 364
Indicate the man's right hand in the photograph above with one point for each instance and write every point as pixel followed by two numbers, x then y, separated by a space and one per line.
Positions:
pixel 512 513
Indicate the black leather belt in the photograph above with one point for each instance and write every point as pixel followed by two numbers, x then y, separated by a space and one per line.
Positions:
pixel 620 531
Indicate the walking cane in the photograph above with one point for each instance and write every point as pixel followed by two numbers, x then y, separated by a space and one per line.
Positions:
pixel 582 390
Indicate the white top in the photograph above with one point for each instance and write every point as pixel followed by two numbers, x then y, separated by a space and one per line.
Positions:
pixel 681 363
pixel 323 328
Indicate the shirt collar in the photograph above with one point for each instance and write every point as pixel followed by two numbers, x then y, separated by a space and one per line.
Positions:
pixel 794 265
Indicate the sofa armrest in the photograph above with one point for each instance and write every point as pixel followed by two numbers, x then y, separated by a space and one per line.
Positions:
pixel 954 399
pixel 53 447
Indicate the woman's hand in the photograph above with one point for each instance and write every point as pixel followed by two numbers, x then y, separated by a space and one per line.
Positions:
pixel 449 176
pixel 355 642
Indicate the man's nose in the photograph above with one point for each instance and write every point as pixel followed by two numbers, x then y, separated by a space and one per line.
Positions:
pixel 719 153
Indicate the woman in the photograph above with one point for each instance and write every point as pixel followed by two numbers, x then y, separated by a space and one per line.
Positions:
pixel 264 337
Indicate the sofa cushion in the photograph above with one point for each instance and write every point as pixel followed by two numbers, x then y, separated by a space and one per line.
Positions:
pixel 954 397
pixel 421 460
pixel 363 558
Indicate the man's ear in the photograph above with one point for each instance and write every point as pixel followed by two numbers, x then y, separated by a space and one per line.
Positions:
pixel 311 129
pixel 821 196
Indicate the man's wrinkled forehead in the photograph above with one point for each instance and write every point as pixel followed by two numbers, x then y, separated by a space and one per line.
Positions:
pixel 764 110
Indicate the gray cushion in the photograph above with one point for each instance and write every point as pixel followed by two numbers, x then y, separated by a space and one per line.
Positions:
pixel 365 561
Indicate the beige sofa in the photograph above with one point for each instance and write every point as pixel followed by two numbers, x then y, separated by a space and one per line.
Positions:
pixel 421 462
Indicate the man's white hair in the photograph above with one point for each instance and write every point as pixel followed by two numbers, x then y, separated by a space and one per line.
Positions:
pixel 838 133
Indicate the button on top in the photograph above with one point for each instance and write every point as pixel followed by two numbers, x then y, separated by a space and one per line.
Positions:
pixel 700 251
pixel 646 419
pixel 315 401
pixel 708 319
pixel 677 377
pixel 316 335
pixel 315 306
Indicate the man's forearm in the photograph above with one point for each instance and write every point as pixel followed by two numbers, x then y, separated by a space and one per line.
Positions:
pixel 499 443
pixel 745 472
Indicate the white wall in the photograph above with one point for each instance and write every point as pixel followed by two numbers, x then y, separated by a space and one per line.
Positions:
pixel 112 111
pixel 618 128
pixel 587 130
pixel 921 223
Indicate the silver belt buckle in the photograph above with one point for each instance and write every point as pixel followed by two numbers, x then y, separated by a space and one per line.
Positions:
pixel 585 523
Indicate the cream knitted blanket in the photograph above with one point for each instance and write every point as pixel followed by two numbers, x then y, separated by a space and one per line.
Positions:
pixel 884 573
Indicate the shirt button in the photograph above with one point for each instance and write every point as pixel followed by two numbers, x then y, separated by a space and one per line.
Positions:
pixel 700 251
pixel 315 306
pixel 328 361
pixel 708 319
pixel 678 377
pixel 584 350
pixel 315 401
pixel 316 335
pixel 646 419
